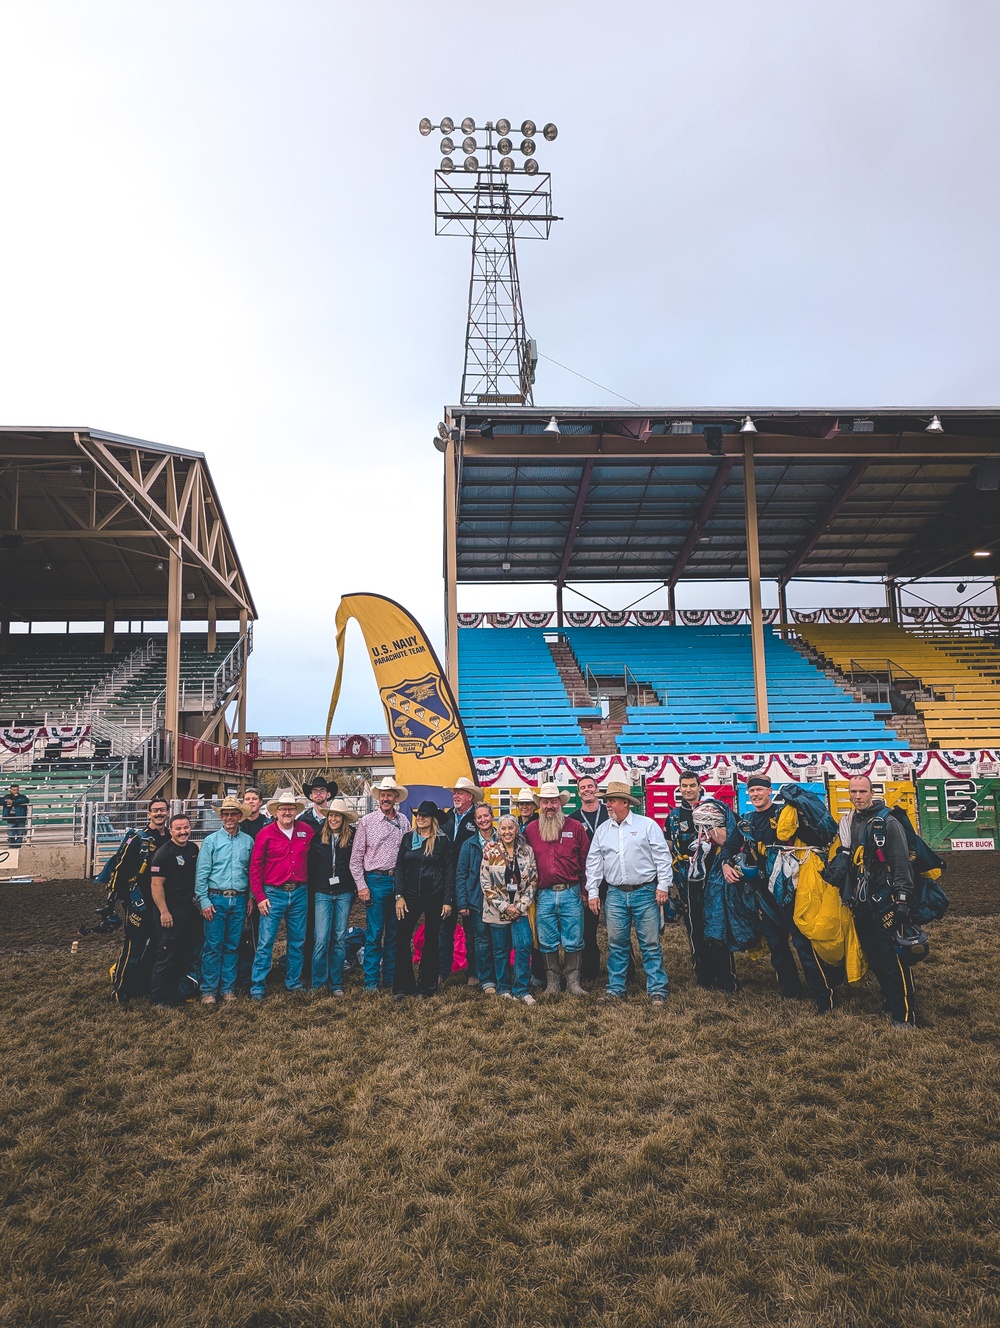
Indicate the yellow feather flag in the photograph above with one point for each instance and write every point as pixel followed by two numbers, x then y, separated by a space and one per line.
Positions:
pixel 429 745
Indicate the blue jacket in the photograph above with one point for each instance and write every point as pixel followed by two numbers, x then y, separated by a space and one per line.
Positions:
pixel 468 891
pixel 223 864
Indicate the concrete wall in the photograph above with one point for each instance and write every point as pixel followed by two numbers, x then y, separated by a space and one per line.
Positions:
pixel 58 863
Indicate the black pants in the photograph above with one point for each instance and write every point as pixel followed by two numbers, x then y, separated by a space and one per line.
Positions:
pixel 590 960
pixel 821 978
pixel 874 926
pixel 429 908
pixel 713 962
pixel 248 945
pixel 176 949
pixel 446 950
pixel 135 963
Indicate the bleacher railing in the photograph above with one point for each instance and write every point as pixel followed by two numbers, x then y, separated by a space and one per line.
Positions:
pixel 313 747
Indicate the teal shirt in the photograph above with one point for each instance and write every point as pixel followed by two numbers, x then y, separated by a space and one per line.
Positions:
pixel 223 864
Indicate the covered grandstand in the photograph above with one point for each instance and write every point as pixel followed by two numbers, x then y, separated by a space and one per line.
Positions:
pixel 111 547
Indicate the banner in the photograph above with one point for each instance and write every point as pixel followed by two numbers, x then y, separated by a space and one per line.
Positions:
pixel 429 745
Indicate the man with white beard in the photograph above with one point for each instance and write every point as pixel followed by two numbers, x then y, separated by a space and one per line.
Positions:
pixel 560 847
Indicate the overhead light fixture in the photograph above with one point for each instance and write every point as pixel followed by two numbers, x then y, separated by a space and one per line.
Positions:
pixel 425 126
pixel 528 146
pixel 447 125
pixel 961 587
pixel 447 146
pixel 472 163
pixel 469 145
pixel 447 165
pixel 441 444
pixel 506 165
pixel 505 147
pixel 552 428
pixel 982 553
pixel 713 439
pixel 935 425
pixel 748 425
pixel 528 128
pixel 189 595
pixel 505 567
pixel 468 125
pixel 76 470
pixel 531 166
pixel 159 567
pixel 46 567
pixel 550 133
pixel 503 127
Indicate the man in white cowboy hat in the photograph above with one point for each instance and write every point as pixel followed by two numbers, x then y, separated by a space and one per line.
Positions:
pixel 373 865
pixel 629 853
pixel 460 826
pixel 221 887
pixel 278 876
pixel 560 848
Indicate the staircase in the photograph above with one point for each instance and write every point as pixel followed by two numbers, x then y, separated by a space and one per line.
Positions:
pixel 600 735
pixel 909 725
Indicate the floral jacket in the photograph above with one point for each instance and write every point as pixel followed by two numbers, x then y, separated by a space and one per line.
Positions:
pixel 492 878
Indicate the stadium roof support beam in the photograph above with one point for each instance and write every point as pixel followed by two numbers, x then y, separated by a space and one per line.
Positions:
pixel 701 520
pixel 846 488
pixel 571 532
pixel 451 567
pixel 753 571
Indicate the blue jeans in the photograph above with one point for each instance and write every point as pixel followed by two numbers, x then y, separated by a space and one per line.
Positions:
pixel 480 930
pixel 380 930
pixel 559 918
pixel 220 950
pixel 623 910
pixel 516 936
pixel 329 950
pixel 293 906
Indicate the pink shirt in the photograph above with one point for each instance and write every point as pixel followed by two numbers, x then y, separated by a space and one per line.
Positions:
pixel 565 861
pixel 376 843
pixel 278 860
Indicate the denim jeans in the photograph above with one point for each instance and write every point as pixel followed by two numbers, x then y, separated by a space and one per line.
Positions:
pixel 293 906
pixel 623 910
pixel 220 952
pixel 380 930
pixel 559 919
pixel 507 936
pixel 480 930
pixel 329 950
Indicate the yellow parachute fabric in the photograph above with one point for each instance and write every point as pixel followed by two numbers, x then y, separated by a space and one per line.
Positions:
pixel 826 921
pixel 788 824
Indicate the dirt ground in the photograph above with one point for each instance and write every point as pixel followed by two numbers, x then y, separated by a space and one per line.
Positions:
pixel 52 912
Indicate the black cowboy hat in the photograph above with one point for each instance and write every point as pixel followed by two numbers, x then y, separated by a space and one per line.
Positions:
pixel 320 782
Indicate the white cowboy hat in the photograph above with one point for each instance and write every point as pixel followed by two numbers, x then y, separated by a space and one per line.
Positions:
pixel 553 791
pixel 617 789
pixel 388 784
pixel 286 798
pixel 465 785
pixel 527 795
pixel 339 805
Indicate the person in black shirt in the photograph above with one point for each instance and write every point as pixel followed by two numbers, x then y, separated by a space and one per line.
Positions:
pixel 126 877
pixel 253 822
pixel 425 884
pixel 172 877
pixel 592 813
pixel 459 825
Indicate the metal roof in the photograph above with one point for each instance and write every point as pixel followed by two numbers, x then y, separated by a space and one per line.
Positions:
pixel 631 496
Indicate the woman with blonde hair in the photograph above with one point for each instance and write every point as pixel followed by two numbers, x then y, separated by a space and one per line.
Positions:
pixel 425 885
pixel 509 876
pixel 331 893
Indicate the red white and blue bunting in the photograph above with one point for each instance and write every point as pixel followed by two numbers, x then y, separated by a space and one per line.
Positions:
pixel 948 615
pixel 19 739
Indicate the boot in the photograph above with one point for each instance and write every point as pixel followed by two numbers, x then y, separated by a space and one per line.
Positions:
pixel 573 987
pixel 552 984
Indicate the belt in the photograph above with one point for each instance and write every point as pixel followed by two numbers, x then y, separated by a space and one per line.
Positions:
pixel 627 889
pixel 389 876
pixel 227 894
pixel 566 885
pixel 288 885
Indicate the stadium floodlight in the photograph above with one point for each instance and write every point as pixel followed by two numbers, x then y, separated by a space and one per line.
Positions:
pixel 472 163
pixel 935 425
pixel 748 426
pixel 527 147
pixel 505 147
pixel 552 428
pixel 447 146
pixel 531 166
pixel 469 145
pixel 159 567
pixel 550 133
pixel 528 128
pixel 503 127
pixel 447 165
pixel 506 165
pixel 468 125
pixel 447 125
pixel 441 444
pixel 443 430
pixel 425 126
pixel 505 567
pixel 982 553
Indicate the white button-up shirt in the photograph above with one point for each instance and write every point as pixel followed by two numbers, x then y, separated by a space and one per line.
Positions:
pixel 629 852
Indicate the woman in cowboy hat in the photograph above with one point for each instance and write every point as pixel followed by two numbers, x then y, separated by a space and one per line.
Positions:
pixel 331 894
pixel 425 884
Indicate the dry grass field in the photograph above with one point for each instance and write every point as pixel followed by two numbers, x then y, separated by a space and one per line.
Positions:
pixel 726 1161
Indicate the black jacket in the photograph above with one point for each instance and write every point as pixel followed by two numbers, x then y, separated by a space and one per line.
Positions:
pixel 602 816
pixel 466 831
pixel 326 860
pixel 419 875
pixel 896 869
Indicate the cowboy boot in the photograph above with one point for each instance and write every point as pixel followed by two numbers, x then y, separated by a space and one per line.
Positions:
pixel 573 987
pixel 553 986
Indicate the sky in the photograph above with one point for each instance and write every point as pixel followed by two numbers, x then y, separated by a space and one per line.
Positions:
pixel 217 234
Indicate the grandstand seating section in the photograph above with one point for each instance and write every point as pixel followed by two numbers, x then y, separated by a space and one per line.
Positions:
pixel 962 671
pixel 54 792
pixel 511 696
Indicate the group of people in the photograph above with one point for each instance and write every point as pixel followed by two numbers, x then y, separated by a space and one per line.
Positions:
pixel 526 889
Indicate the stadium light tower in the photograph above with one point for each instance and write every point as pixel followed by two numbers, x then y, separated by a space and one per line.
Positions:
pixel 494 200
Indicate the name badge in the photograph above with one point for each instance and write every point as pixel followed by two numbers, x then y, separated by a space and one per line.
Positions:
pixel 334 880
pixel 567 834
pixel 300 834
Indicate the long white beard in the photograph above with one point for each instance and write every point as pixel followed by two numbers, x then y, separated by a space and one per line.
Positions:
pixel 550 825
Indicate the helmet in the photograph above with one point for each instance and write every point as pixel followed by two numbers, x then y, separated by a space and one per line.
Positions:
pixel 911 942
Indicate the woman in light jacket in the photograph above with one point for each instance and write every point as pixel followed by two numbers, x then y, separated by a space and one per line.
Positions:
pixel 508 878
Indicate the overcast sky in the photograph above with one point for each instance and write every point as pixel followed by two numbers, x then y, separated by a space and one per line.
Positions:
pixel 216 233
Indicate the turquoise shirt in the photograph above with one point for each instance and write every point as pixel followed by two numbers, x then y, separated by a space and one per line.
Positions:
pixel 223 864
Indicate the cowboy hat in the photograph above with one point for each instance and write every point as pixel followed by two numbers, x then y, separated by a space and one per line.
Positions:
pixel 428 808
pixel 553 791
pixel 339 805
pixel 616 789
pixel 286 798
pixel 319 782
pixel 389 785
pixel 465 785
pixel 527 795
pixel 232 804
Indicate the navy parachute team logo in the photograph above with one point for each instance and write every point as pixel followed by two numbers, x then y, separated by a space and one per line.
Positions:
pixel 421 718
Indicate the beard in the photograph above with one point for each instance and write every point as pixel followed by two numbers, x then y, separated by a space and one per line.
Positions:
pixel 550 825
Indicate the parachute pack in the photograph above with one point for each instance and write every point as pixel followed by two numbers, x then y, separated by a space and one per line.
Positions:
pixel 815 826
pixel 931 902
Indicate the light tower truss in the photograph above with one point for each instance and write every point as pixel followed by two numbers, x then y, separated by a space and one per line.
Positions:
pixel 494 201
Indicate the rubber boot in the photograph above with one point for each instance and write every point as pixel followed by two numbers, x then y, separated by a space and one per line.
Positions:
pixel 573 987
pixel 552 984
